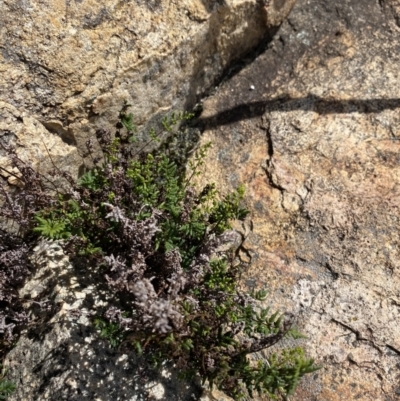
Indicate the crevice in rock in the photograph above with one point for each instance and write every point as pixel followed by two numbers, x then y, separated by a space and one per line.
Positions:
pixel 270 142
pixel 393 349
pixel 237 65
pixel 57 129
pixel 334 274
pixel 271 180
pixel 359 336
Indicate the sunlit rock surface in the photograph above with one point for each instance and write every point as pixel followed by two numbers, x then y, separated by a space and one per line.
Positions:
pixel 312 128
pixel 72 64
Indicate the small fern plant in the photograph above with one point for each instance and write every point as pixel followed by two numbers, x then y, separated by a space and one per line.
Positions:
pixel 50 227
pixel 6 387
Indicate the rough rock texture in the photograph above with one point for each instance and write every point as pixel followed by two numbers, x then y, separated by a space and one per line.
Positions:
pixel 34 145
pixel 33 142
pixel 71 64
pixel 312 128
pixel 62 357
pixel 66 67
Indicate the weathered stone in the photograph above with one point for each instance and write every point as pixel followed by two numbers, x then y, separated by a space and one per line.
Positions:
pixel 214 395
pixel 35 146
pixel 72 64
pixel 312 128
pixel 65 69
pixel 33 143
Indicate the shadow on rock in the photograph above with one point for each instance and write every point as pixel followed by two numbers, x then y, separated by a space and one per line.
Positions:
pixel 61 356
pixel 309 103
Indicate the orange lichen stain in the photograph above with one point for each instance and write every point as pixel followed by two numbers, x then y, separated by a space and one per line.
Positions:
pixel 259 189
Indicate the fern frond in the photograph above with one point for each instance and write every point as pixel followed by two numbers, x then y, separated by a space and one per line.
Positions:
pixel 91 180
pixel 6 389
pixel 52 229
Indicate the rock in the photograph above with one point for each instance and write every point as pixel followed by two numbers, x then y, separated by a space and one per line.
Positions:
pixel 35 146
pixel 71 65
pixel 62 357
pixel 214 395
pixel 33 143
pixel 316 144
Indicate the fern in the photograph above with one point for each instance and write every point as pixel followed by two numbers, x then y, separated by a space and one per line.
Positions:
pixel 142 175
pixel 226 210
pixel 109 331
pixel 91 180
pixel 6 387
pixel 282 372
pixel 126 120
pixel 49 228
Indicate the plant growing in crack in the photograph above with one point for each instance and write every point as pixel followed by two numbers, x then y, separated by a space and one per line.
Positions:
pixel 168 253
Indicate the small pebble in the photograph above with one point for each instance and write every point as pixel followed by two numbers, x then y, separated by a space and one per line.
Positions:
pixel 252 87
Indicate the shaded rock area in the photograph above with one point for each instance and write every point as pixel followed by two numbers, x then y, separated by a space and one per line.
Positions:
pixel 61 356
pixel 312 128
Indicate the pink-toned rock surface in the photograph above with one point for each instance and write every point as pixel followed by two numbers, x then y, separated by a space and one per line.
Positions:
pixel 312 128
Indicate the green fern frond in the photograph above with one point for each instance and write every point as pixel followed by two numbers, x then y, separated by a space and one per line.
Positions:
pixel 109 331
pixel 6 387
pixel 127 122
pixel 91 180
pixel 295 334
pixel 52 229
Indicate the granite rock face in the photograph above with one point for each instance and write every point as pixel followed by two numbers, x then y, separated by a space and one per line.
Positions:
pixel 33 143
pixel 72 64
pixel 312 128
